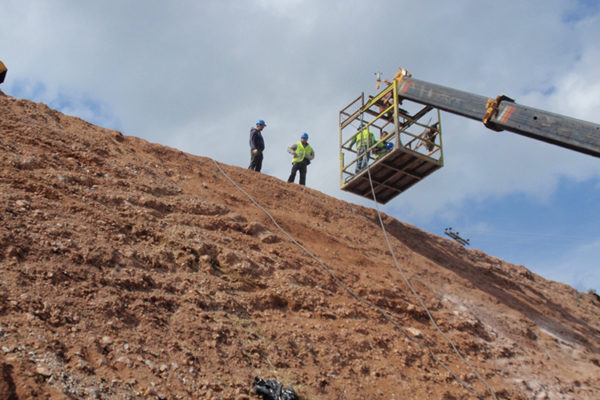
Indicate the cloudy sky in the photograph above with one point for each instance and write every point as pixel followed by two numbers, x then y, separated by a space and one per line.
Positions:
pixel 197 75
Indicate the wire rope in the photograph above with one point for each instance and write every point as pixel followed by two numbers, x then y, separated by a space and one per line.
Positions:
pixel 383 312
pixel 414 292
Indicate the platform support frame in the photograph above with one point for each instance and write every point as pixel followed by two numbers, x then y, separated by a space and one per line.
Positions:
pixel 417 142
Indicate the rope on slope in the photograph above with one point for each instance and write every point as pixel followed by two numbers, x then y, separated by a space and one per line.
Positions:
pixel 352 293
pixel 414 292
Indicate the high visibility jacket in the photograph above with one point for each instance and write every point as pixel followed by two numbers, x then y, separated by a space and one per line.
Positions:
pixel 364 139
pixel 302 152
pixel 380 148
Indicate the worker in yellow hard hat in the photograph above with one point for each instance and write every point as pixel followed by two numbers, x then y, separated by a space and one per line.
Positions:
pixel 2 71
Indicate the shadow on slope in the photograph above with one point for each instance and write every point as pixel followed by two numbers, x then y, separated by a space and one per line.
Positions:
pixel 490 280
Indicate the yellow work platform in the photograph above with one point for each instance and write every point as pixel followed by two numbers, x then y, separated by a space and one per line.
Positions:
pixel 404 144
pixel 391 175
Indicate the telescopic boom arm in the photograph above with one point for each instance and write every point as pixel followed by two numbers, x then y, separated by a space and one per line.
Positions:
pixel 503 113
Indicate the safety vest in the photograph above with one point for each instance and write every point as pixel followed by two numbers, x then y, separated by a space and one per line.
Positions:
pixel 380 148
pixel 365 138
pixel 301 152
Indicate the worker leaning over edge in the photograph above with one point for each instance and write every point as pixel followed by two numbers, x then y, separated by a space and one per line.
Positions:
pixel 257 146
pixel 302 153
pixel 2 71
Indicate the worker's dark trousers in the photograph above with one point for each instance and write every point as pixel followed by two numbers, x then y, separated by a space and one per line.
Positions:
pixel 256 161
pixel 301 167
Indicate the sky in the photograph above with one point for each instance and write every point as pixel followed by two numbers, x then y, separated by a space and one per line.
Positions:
pixel 197 75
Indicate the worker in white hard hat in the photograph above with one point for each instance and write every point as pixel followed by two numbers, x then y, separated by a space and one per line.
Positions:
pixel 303 154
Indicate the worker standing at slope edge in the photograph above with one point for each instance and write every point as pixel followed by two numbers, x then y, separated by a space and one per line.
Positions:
pixel 257 146
pixel 2 71
pixel 302 153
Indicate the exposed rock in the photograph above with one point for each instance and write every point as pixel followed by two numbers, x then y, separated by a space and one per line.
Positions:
pixel 43 370
pixel 414 332
pixel 133 270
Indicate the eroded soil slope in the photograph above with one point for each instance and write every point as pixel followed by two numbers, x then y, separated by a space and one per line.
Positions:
pixel 131 270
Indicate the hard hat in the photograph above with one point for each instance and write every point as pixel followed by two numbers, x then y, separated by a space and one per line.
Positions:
pixel 389 145
pixel 361 126
pixel 304 136
pixel 261 122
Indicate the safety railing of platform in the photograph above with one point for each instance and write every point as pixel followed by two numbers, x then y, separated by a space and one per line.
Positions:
pixel 378 114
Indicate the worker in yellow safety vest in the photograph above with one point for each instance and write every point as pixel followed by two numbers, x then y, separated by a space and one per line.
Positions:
pixel 363 140
pixel 303 154
pixel 2 71
pixel 383 146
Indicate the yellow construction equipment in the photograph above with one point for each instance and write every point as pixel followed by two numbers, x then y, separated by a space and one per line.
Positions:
pixel 406 114
pixel 407 145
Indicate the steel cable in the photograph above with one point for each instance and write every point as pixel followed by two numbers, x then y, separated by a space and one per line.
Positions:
pixel 358 297
pixel 414 292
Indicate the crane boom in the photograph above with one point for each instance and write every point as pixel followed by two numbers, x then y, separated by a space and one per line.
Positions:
pixel 504 114
pixel 409 149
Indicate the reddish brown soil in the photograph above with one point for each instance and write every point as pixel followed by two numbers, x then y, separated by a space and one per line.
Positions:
pixel 131 270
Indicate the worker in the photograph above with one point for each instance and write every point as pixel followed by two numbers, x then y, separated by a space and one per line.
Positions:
pixel 303 154
pixel 384 103
pixel 2 71
pixel 363 140
pixel 429 135
pixel 382 146
pixel 257 146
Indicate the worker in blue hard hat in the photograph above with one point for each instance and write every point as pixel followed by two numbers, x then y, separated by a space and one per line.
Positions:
pixel 363 140
pixel 257 146
pixel 303 154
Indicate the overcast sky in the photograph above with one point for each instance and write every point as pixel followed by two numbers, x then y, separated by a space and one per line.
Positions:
pixel 197 75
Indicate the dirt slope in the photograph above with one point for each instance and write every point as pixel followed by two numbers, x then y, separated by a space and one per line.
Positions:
pixel 130 270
